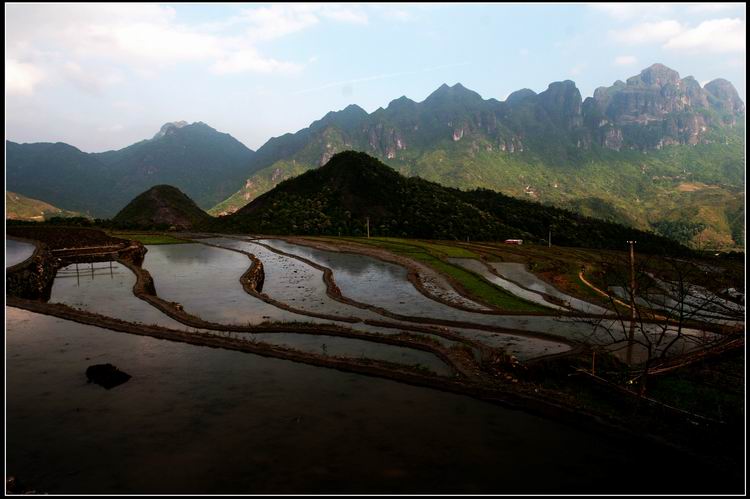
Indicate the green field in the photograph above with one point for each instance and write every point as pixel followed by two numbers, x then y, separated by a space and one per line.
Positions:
pixel 148 238
pixel 433 254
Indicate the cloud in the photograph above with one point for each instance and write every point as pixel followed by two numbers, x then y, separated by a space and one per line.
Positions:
pixel 625 60
pixel 714 36
pixel 21 78
pixel 96 46
pixel 710 36
pixel 249 60
pixel 149 42
pixel 93 83
pixel 278 20
pixel 345 14
pixel 621 11
pixel 629 11
pixel 648 32
pixel 275 21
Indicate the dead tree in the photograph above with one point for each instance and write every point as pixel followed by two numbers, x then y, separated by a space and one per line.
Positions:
pixel 662 308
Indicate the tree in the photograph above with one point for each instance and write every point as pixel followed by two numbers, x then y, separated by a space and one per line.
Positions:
pixel 666 311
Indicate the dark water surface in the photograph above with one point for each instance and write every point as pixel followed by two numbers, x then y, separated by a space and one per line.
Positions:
pixel 202 420
pixel 16 252
pixel 106 288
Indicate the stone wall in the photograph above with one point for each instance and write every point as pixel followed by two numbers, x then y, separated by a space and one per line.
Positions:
pixel 32 279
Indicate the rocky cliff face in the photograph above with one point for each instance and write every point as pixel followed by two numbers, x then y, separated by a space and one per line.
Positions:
pixel 562 102
pixel 657 108
pixel 650 110
pixel 723 96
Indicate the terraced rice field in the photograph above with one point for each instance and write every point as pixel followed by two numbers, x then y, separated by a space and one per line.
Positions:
pixel 422 313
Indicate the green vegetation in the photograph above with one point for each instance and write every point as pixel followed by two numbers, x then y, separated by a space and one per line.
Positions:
pixel 679 231
pixel 440 250
pixel 18 207
pixel 337 199
pixel 549 148
pixel 625 187
pixel 431 255
pixel 149 238
pixel 161 207
pixel 713 389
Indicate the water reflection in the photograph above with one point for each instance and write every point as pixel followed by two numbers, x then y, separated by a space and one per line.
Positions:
pixel 204 420
pixel 106 288
pixel 16 252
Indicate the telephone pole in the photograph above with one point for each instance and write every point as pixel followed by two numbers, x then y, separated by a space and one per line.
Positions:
pixel 549 238
pixel 368 227
pixel 632 301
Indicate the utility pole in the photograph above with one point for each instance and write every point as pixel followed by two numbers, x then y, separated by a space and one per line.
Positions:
pixel 549 237
pixel 632 301
pixel 368 227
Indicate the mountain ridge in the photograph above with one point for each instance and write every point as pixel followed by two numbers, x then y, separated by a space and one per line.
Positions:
pixel 624 147
pixel 354 190
pixel 552 146
pixel 208 164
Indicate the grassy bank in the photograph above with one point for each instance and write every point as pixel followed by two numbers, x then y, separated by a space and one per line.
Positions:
pixel 433 255
pixel 148 238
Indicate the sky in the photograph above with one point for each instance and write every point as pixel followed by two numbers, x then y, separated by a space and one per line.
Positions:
pixel 104 76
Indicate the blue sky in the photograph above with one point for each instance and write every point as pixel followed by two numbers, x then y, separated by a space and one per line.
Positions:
pixel 104 76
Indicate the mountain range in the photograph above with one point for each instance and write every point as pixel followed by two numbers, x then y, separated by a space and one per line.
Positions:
pixel 354 194
pixel 656 152
pixel 208 165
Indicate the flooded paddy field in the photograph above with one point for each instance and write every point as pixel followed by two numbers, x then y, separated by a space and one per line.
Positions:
pixel 521 347
pixel 353 348
pixel 294 282
pixel 480 268
pixel 518 273
pixel 17 251
pixel 106 288
pixel 205 281
pixel 203 420
pixel 668 305
pixel 368 280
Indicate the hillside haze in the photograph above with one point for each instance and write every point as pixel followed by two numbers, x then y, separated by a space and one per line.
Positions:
pixel 208 165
